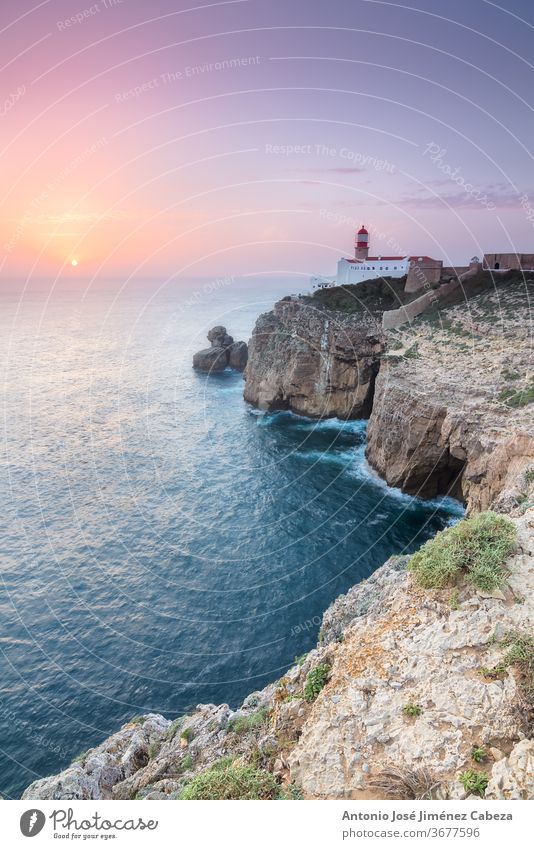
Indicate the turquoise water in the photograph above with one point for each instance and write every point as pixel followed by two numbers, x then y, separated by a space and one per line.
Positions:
pixel 165 544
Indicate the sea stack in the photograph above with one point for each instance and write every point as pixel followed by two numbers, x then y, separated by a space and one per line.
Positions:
pixel 224 353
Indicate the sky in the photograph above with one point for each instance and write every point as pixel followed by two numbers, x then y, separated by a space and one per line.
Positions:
pixel 249 137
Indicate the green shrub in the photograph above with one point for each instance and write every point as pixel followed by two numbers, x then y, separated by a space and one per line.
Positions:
pixel 187 734
pixel 477 547
pixel 315 681
pixel 521 654
pixel 137 720
pixel 243 724
pixel 187 762
pixel 518 397
pixel 412 353
pixel 473 781
pixel 454 601
pixel 478 754
pixel 292 793
pixel 174 727
pixel 412 710
pixel 225 781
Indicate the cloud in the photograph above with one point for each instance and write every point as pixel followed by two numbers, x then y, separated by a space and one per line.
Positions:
pixel 499 196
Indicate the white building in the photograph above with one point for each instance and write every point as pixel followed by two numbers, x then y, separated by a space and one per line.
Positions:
pixel 365 267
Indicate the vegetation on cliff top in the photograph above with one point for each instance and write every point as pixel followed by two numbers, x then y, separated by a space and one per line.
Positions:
pixel 371 296
pixel 476 548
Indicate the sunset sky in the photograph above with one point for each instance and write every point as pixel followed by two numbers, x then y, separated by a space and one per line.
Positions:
pixel 174 138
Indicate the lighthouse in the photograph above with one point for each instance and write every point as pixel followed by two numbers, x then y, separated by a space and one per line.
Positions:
pixel 361 244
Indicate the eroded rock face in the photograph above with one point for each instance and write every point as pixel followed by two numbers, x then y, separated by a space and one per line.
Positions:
pixel 313 361
pixel 513 777
pixel 429 439
pixel 224 353
pixel 451 413
pixel 95 774
pixel 411 648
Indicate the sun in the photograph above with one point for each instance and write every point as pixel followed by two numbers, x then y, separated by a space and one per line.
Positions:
pixel 74 262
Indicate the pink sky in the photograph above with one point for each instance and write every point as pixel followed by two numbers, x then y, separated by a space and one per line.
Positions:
pixel 248 136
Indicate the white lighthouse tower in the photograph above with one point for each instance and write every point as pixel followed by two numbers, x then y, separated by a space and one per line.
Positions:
pixel 361 244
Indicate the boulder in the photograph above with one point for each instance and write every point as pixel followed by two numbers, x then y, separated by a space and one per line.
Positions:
pixel 211 359
pixel 238 356
pixel 223 352
pixel 219 337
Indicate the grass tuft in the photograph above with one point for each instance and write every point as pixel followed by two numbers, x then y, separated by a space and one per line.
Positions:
pixel 244 724
pixel 223 780
pixel 477 547
pixel 406 784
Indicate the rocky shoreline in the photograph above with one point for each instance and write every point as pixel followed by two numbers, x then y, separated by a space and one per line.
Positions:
pixel 407 686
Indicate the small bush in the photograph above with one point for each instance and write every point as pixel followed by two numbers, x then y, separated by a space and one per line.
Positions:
pixel 521 654
pixel 473 781
pixel 187 734
pixel 187 762
pixel 396 783
pixel 244 724
pixel 453 600
pixel 412 710
pixel 174 727
pixel 477 547
pixel 478 754
pixel 412 353
pixel 518 397
pixel 225 781
pixel 292 793
pixel 315 681
pixel 301 659
pixel 137 720
pixel 153 749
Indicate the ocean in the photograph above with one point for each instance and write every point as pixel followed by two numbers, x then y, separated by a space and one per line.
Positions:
pixel 164 544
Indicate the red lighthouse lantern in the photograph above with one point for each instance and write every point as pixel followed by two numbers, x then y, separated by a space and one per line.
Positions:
pixel 361 244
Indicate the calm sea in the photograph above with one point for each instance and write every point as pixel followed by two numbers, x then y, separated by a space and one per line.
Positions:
pixel 164 543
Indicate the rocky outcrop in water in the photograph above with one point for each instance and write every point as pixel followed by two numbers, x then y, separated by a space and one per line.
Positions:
pixel 385 646
pixel 224 353
pixel 314 361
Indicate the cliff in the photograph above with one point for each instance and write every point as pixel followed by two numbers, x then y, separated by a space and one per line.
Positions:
pixel 452 407
pixel 448 396
pixel 314 361
pixel 407 692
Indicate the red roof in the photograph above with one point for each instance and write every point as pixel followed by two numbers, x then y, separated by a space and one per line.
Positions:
pixel 390 258
pixel 363 231
pixel 377 259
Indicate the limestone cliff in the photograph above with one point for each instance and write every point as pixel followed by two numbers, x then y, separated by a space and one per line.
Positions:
pixel 452 408
pixel 314 361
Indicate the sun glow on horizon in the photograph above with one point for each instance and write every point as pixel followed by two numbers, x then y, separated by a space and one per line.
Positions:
pixel 74 262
